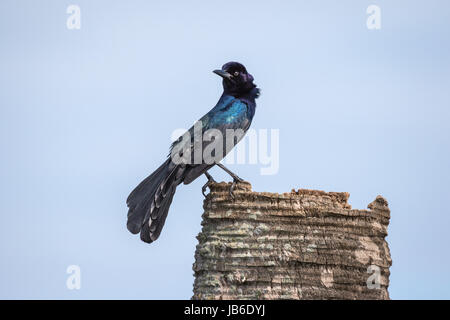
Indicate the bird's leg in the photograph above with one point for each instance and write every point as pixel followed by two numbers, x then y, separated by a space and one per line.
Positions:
pixel 208 183
pixel 234 176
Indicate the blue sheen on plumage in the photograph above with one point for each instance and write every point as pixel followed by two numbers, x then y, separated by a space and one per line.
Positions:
pixel 232 112
pixel 149 202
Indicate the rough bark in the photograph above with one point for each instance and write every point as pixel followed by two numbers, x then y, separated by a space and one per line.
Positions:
pixel 306 244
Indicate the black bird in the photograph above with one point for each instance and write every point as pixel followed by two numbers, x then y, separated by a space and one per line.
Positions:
pixel 149 202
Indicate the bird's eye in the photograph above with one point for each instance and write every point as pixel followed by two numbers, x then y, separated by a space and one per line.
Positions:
pixel 236 73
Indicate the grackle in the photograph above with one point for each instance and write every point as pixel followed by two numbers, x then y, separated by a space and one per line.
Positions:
pixel 149 202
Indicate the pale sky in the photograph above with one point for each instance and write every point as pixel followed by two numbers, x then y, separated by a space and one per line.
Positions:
pixel 87 114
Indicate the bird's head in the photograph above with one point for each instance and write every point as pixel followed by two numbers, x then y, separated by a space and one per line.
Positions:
pixel 236 79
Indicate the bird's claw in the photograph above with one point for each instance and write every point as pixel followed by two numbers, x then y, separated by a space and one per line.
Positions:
pixel 236 179
pixel 207 184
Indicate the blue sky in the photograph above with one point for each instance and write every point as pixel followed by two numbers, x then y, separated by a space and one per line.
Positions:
pixel 86 114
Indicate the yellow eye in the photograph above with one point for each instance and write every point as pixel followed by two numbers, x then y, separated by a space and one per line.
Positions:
pixel 236 73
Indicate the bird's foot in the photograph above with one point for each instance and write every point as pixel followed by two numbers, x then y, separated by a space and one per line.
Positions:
pixel 236 179
pixel 208 183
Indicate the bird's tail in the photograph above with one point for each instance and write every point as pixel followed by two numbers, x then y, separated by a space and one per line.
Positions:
pixel 149 202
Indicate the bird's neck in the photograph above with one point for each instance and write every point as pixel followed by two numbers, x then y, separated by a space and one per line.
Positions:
pixel 254 93
pixel 248 95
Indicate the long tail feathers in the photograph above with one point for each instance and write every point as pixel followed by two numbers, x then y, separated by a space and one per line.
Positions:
pixel 149 202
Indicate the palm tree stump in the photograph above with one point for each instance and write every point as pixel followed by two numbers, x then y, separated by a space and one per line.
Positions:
pixel 306 244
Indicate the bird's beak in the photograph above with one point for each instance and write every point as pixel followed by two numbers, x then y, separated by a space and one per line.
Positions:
pixel 224 74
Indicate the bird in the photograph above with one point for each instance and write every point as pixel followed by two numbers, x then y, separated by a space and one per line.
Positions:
pixel 148 204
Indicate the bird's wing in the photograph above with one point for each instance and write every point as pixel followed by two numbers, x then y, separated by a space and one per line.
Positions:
pixel 230 115
pixel 227 114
